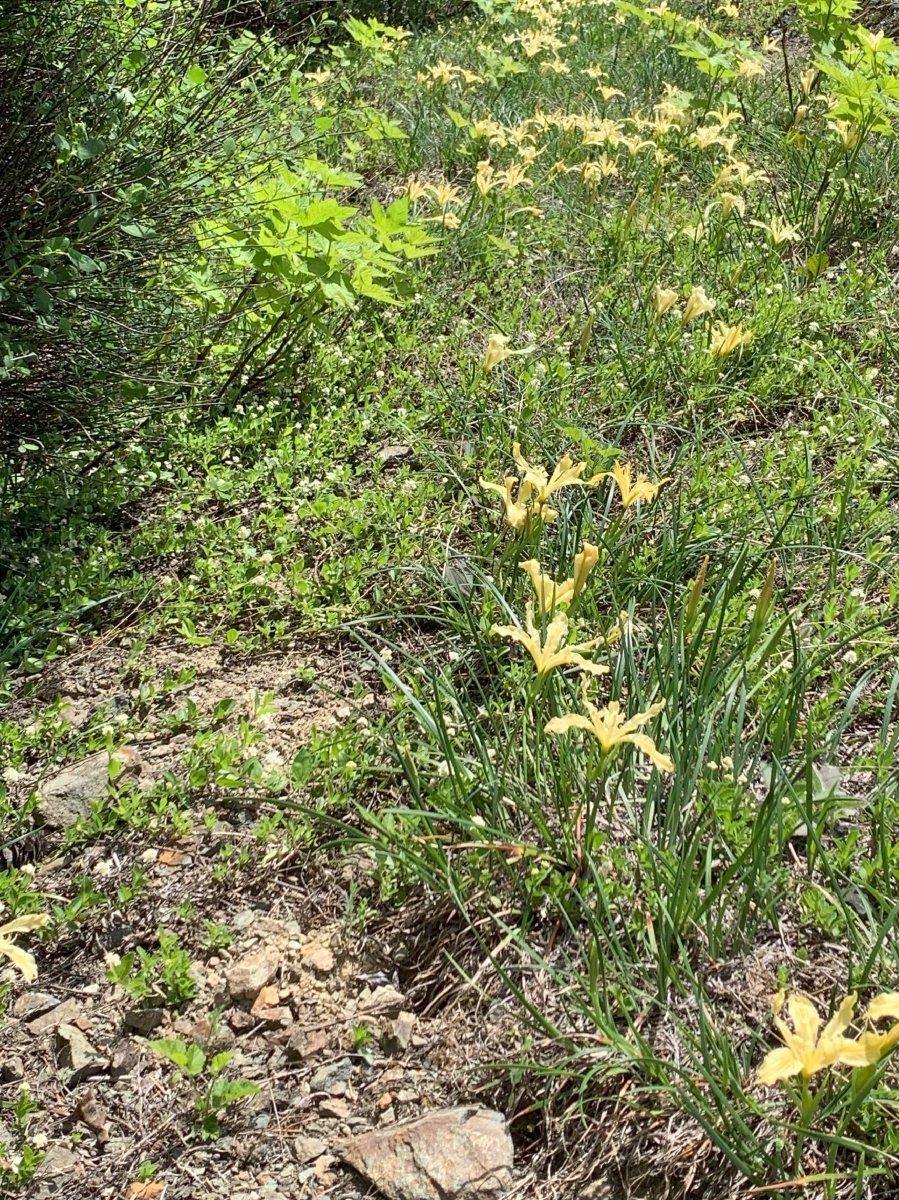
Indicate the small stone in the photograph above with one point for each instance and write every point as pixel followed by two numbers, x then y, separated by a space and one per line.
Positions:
pixel 268 998
pixel 385 1101
pixel 125 1058
pixel 246 917
pixel 240 1021
pixel 388 1116
pixel 451 1154
pixel 280 1015
pixel 398 1035
pixel 63 1014
pixel 302 1044
pixel 330 1076
pixel 250 974
pixel 144 1020
pixel 73 1051
pixel 33 1004
pixel 12 1069
pixel 394 454
pixel 305 1149
pixel 407 1096
pixel 322 1166
pixel 319 958
pixel 336 1108
pixel 70 795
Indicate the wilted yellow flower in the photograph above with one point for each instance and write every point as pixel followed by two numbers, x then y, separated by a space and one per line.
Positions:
pixel 449 220
pixel 808 1048
pixel 662 299
pixel 730 201
pixel 17 956
pixel 549 651
pixel 848 132
pixel 610 729
pixel 728 338
pixel 498 351
pixel 550 593
pixel 698 304
pixel 631 490
pixel 529 210
pixel 608 93
pixel 807 80
pixel 749 68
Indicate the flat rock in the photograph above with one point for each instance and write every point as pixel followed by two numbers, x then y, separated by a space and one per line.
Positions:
pixel 33 1004
pixel 384 1001
pixel 246 978
pixel 55 1175
pixel 268 998
pixel 451 1154
pixel 62 1014
pixel 334 1107
pixel 70 795
pixel 305 1043
pixel 305 1149
pixel 331 1076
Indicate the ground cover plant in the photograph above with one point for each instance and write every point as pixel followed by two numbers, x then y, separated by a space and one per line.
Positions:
pixel 562 472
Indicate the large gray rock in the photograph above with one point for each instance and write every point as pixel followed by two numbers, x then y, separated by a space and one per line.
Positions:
pixel 70 795
pixel 450 1154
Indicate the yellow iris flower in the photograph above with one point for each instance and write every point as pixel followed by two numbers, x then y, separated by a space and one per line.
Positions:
pixel 536 485
pixel 611 729
pixel 808 1048
pixel 17 956
pixel 549 650
pixel 631 490
pixel 566 474
pixel 516 506
pixel 550 593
